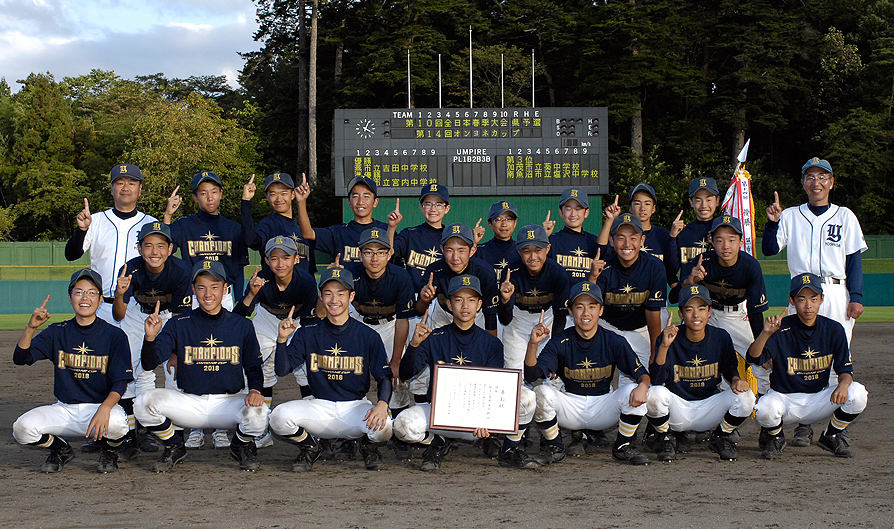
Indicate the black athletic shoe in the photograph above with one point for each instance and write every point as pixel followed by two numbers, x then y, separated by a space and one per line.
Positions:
pixel 684 442
pixel 246 454
pixel 170 457
pixel 763 438
pixel 835 444
pixel 108 461
pixel 326 451
pixel 346 451
pixel 402 451
pixel 58 458
pixel 845 436
pixel 146 441
pixel 666 446
pixel 492 446
pixel 774 446
pixel 90 447
pixel 628 454
pixel 515 457
pixel 550 454
pixel 431 459
pixel 372 459
pixel 306 457
pixel 128 449
pixel 578 446
pixel 803 435
pixel 724 447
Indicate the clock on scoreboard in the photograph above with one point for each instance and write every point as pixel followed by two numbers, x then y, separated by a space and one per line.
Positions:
pixel 473 151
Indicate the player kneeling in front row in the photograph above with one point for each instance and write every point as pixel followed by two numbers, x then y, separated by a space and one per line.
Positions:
pixel 585 357
pixel 92 371
pixel 690 364
pixel 804 348
pixel 459 343
pixel 216 352
pixel 339 353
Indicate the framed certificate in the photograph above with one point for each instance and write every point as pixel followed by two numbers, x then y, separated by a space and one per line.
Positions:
pixel 465 398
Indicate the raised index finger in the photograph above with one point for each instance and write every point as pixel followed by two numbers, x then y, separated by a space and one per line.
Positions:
pixel 256 272
pixel 508 271
pixel 598 251
pixel 86 206
pixel 252 179
pixel 123 270
pixel 548 212
pixel 478 224
pixel 44 305
pixel 157 307
pixel 616 199
pixel 291 311
pixel 397 206
pixel 431 280
pixel 775 198
pixel 174 194
pixel 679 216
pixel 542 314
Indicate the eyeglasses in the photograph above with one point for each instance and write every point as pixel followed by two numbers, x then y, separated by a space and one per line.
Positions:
pixel 377 253
pixel 433 205
pixel 78 293
pixel 817 177
pixel 503 220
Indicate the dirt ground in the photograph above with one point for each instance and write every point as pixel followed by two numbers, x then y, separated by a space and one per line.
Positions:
pixel 807 487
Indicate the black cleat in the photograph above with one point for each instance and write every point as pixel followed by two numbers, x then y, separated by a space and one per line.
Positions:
pixel 684 442
pixel 372 459
pixel 326 451
pixel 90 447
pixel 724 447
pixel 550 454
pixel 835 444
pixel 146 441
pixel 57 459
pixel 347 450
pixel 803 435
pixel 578 446
pixel 128 450
pixel 515 457
pixel 431 459
pixel 170 457
pixel 402 451
pixel 628 454
pixel 108 461
pixel 773 447
pixel 246 454
pixel 492 446
pixel 306 457
pixel 666 446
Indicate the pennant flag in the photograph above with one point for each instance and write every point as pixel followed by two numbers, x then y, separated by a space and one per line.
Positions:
pixel 739 203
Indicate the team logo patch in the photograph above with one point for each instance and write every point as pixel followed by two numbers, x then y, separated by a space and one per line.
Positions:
pixel 693 289
pixel 703 182
pixel 530 234
pixel 585 287
pixel 467 281
pixel 455 229
pixel 156 226
pixel 805 280
pixel 727 219
pixel 574 193
pixel 833 234
pixel 206 265
pixel 336 273
pixel 123 168
pixel 627 218
pixel 278 240
pixel 505 205
pixel 375 234
pixel 276 176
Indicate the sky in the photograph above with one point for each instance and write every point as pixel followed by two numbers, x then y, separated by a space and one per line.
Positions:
pixel 179 38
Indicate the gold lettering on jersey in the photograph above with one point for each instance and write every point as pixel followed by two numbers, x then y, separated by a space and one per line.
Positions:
pixel 86 362
pixel 725 292
pixel 534 300
pixel 374 309
pixel 575 262
pixel 350 254
pixel 688 253
pixel 631 298
pixel 209 248
pixel 692 373
pixel 212 354
pixel 799 366
pixel 421 260
pixel 589 373
pixel 352 364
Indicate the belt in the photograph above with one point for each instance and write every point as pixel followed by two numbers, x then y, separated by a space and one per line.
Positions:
pixel 108 300
pixel 151 310
pixel 375 321
pixel 725 308
pixel 832 281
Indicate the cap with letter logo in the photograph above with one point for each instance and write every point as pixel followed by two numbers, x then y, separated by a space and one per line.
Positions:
pixel 435 189
pixel 533 235
pixel 817 162
pixel 708 184
pixel 584 288
pixel 279 178
pixel 371 235
pixel 205 176
pixel 627 219
pixel 457 230
pixel 691 292
pixel 342 275
pixel 728 221
pixel 498 208
pixel 642 187
pixel 212 268
pixel 154 227
pixel 462 282
pixel 281 242
pixel 88 274
pixel 365 180
pixel 126 170
pixel 808 280
pixel 575 194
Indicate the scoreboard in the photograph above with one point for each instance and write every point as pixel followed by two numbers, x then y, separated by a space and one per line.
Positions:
pixel 474 151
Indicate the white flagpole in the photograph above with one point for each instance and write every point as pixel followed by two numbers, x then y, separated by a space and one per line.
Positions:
pixel 502 99
pixel 470 66
pixel 439 81
pixel 532 77
pixel 408 79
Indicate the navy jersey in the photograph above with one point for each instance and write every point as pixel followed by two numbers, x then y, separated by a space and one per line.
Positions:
pixel 630 292
pixel 301 293
pixel 586 366
pixel 339 358
pixel 692 370
pixel 88 360
pixel 803 356
pixel 343 238
pixel 490 294
pixel 731 285
pixel 385 298
pixel 695 239
pixel 451 345
pixel 548 289
pixel 256 237
pixel 214 352
pixel 212 237
pixel 659 243
pixel 498 254
pixel 172 286
pixel 415 249
pixel 574 251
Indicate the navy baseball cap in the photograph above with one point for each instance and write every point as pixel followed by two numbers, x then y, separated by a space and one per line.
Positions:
pixel 498 208
pixel 457 230
pixel 125 170
pixel 279 178
pixel 808 280
pixel 707 184
pixel 435 189
pixel 154 227
pixel 89 275
pixel 585 288
pixel 374 235
pixel 365 180
pixel 281 242
pixel 729 221
pixel 342 275
pixel 213 268
pixel 462 282
pixel 817 162
pixel 575 194
pixel 205 176
pixel 691 292
pixel 533 235
pixel 627 219
pixel 644 188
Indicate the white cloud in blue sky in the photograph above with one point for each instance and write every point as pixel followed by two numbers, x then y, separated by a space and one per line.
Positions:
pixel 177 38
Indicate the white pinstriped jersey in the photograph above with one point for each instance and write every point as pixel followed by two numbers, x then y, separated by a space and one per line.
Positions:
pixel 819 244
pixel 112 242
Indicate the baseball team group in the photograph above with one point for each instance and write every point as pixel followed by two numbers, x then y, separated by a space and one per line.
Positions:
pixel 566 308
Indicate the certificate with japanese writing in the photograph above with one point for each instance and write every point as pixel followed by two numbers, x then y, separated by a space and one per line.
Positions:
pixel 465 398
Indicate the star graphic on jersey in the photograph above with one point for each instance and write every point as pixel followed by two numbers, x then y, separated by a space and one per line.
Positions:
pixel 211 341
pixel 295 237
pixel 336 350
pixel 209 236
pixel 646 249
pixel 152 293
pixel 697 361
pixel 460 360
pixel 534 292
pixel 578 252
pixel 503 264
pixel 723 284
pixel 810 353
pixel 627 289
pixel 83 349
pixel 375 303
pixel 586 364
pixel 703 244
pixel 433 252
pixel 283 305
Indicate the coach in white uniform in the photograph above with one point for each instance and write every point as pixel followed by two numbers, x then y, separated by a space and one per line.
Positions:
pixel 111 236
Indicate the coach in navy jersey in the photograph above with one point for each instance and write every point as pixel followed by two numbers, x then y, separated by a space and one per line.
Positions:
pixel 418 247
pixel 217 351
pixel 92 370
pixel 500 250
pixel 340 354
